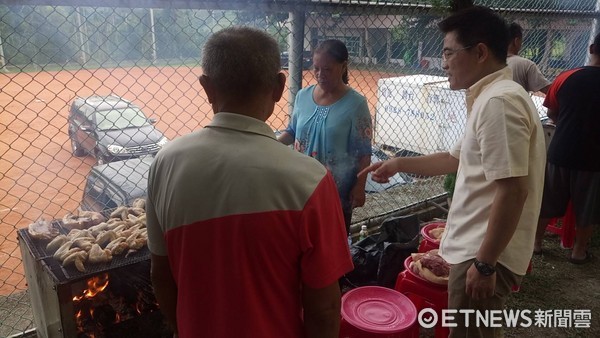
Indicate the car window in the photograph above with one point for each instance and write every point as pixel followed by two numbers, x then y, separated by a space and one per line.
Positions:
pixel 96 195
pixel 134 190
pixel 130 177
pixel 130 117
pixel 117 183
pixel 132 182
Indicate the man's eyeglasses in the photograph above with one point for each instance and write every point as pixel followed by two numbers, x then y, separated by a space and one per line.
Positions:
pixel 447 52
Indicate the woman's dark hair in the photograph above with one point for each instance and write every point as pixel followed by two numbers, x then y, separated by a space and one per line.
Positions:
pixel 337 50
pixel 479 24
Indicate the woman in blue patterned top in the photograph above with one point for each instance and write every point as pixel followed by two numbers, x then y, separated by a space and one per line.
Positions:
pixel 331 122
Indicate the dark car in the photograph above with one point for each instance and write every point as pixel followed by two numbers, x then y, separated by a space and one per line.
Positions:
pixel 306 60
pixel 111 129
pixel 115 184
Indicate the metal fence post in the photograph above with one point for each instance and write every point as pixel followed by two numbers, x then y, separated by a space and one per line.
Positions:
pixel 297 20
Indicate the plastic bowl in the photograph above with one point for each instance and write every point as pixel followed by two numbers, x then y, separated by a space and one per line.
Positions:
pixel 417 277
pixel 378 311
pixel 425 231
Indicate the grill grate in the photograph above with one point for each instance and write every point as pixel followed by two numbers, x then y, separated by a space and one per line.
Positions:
pixel 66 274
pixel 38 247
pixel 72 273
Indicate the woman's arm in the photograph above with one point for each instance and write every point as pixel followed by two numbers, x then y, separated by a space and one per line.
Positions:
pixel 358 196
pixel 285 138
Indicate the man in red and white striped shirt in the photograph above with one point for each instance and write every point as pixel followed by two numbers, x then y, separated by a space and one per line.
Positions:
pixel 247 236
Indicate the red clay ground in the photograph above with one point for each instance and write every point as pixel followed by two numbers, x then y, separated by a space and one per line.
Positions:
pixel 39 177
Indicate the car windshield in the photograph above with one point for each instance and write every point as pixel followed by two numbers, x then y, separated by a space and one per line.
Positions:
pixel 129 117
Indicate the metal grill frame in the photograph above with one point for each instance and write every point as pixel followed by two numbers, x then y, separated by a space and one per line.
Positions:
pixel 51 287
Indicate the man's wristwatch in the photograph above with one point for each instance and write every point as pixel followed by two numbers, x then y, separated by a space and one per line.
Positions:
pixel 484 268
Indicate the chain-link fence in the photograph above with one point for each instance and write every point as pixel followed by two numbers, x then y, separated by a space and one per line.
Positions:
pixel 145 63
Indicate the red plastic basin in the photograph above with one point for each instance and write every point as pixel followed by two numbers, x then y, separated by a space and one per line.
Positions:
pixel 374 311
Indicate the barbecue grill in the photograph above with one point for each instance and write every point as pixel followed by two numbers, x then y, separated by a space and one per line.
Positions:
pixel 112 299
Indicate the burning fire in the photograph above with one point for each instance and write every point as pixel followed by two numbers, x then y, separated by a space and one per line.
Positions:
pixel 98 306
pixel 95 285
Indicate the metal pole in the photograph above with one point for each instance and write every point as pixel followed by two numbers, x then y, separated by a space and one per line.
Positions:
pixel 153 35
pixel 388 49
pixel 297 20
pixel 81 40
pixel 419 52
pixel 2 61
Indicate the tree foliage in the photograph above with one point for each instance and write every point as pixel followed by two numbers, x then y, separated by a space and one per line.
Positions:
pixel 102 35
pixel 110 36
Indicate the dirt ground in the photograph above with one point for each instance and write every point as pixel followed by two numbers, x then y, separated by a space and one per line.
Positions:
pixel 39 177
pixel 556 284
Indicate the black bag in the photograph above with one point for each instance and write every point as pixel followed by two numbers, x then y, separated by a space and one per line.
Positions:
pixel 400 237
pixel 379 258
pixel 366 255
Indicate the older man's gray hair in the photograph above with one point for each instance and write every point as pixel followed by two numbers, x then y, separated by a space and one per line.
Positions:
pixel 241 61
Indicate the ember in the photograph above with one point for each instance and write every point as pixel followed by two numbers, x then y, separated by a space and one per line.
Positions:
pixel 104 303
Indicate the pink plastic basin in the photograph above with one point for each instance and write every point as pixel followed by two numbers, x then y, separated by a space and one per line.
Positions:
pixel 378 311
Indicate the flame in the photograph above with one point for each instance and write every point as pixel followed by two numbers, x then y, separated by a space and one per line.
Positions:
pixel 139 303
pixel 79 320
pixel 95 285
pixel 91 303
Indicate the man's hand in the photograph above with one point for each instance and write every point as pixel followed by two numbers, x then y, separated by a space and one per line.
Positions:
pixel 479 286
pixel 165 289
pixel 381 171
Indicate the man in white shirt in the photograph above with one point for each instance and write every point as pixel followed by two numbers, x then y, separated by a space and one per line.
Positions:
pixel 500 170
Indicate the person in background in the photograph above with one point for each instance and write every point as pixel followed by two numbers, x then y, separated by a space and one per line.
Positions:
pixel 573 168
pixel 525 72
pixel 246 235
pixel 499 162
pixel 331 122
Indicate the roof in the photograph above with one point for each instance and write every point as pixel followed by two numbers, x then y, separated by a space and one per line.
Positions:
pixel 563 8
pixel 97 102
